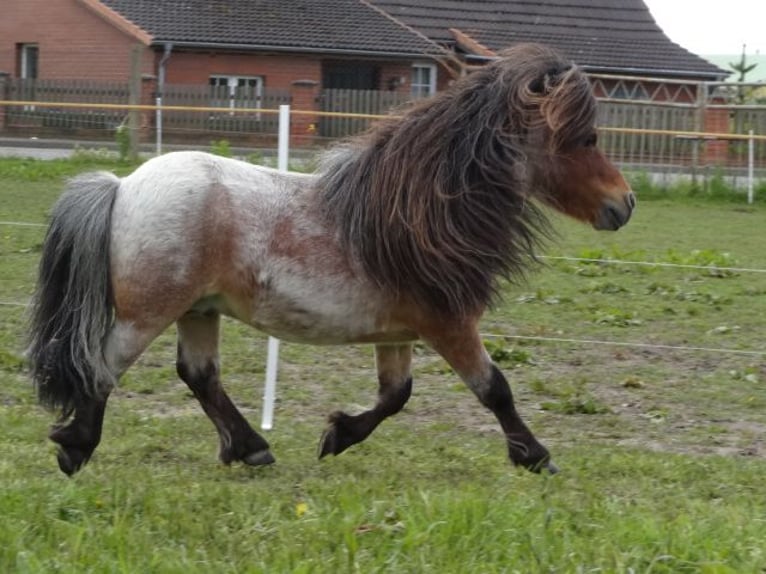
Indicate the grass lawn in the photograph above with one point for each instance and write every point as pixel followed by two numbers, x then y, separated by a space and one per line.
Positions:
pixel 662 448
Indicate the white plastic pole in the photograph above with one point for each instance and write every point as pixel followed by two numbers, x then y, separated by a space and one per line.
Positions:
pixel 158 115
pixel 272 359
pixel 283 144
pixel 750 164
pixel 270 390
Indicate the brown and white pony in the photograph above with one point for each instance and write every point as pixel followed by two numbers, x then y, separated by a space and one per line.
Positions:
pixel 403 234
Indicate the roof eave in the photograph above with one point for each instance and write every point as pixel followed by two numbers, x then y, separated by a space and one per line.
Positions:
pixel 118 21
pixel 159 42
pixel 709 76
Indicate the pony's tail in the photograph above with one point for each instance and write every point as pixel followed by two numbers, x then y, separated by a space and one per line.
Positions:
pixel 72 309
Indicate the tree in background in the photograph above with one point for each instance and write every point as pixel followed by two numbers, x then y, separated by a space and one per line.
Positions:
pixel 743 69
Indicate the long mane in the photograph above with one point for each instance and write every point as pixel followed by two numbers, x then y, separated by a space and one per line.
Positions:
pixel 434 205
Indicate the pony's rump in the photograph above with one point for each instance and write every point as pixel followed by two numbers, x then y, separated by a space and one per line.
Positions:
pixel 72 306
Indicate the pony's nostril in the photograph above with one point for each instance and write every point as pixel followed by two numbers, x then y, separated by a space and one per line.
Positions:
pixel 630 199
pixel 616 215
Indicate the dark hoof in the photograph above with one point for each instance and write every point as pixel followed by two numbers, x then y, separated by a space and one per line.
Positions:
pixel 338 436
pixel 534 457
pixel 260 458
pixel 539 467
pixel 249 447
pixel 73 450
pixel 72 459
pixel 551 467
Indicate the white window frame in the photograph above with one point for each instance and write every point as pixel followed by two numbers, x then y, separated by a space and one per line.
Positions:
pixel 418 88
pixel 24 50
pixel 24 65
pixel 234 82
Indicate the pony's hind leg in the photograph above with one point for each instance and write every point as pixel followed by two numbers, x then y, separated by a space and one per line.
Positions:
pixel 462 348
pixel 198 367
pixel 395 386
pixel 79 437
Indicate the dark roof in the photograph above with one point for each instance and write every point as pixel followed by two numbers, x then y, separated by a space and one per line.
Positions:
pixel 615 36
pixel 612 36
pixel 329 26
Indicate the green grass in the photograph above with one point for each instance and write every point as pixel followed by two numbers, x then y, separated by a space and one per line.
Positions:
pixel 662 450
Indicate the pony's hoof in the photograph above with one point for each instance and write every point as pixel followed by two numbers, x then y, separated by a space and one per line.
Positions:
pixel 259 458
pixel 328 442
pixel 551 467
pixel 338 436
pixel 542 465
pixel 72 459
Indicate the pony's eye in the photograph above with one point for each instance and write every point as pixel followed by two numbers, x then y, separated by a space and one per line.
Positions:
pixel 591 140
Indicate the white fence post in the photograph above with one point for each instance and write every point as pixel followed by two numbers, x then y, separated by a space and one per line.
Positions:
pixel 158 116
pixel 272 359
pixel 750 165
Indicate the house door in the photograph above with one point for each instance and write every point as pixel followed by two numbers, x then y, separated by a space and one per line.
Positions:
pixel 345 88
pixel 350 76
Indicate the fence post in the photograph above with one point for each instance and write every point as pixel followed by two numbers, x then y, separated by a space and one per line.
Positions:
pixel 134 98
pixel 4 82
pixel 272 359
pixel 699 126
pixel 750 165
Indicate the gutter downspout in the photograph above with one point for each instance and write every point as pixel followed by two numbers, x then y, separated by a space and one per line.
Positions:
pixel 161 67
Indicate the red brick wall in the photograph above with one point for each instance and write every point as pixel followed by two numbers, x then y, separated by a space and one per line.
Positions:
pixel 396 77
pixel 279 71
pixel 716 121
pixel 74 42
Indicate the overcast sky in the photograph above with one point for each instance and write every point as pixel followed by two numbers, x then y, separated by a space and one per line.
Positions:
pixel 707 27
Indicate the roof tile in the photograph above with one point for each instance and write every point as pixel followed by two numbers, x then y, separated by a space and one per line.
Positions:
pixel 608 35
pixel 332 25
pixel 605 35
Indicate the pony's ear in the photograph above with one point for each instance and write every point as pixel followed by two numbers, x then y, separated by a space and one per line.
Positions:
pixel 548 80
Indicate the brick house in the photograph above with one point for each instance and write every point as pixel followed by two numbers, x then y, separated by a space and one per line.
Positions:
pixel 403 47
pixel 618 42
pixel 361 44
pixel 244 47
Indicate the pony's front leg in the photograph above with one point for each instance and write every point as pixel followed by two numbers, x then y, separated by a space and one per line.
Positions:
pixel 395 386
pixel 462 348
pixel 198 367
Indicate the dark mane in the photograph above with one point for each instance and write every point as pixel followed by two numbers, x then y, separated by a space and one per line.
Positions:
pixel 435 204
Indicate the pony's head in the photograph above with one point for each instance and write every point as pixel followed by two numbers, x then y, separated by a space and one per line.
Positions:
pixel 552 119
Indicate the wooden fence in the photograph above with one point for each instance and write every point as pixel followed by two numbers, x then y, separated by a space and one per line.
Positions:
pixel 647 148
pixel 30 116
pixel 226 121
pixel 371 102
pixel 719 108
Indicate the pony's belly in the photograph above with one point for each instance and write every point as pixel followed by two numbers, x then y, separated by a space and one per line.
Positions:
pixel 326 320
pixel 303 326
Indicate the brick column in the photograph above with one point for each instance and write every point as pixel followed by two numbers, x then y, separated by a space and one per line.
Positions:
pixel 716 121
pixel 148 94
pixel 304 97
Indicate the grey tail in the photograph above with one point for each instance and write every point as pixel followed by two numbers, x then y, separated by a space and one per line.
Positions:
pixel 72 308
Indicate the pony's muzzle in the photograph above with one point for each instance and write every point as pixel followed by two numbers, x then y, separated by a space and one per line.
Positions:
pixel 615 213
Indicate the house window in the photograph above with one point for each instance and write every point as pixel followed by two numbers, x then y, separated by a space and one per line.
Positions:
pixel 236 91
pixel 28 55
pixel 423 80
